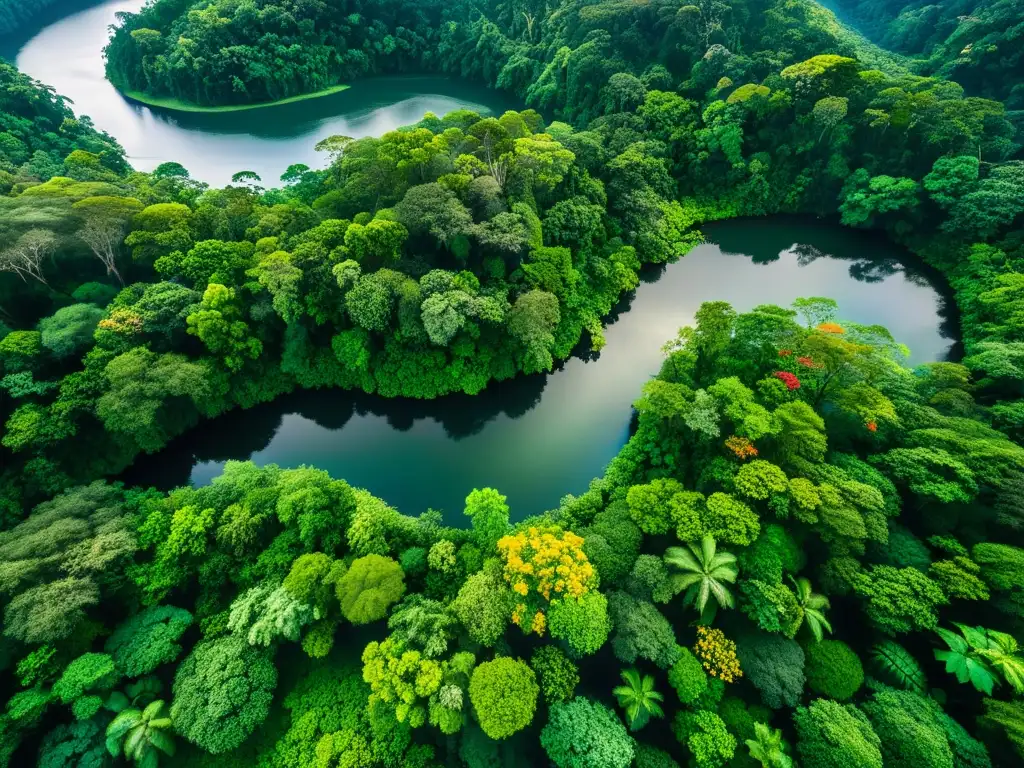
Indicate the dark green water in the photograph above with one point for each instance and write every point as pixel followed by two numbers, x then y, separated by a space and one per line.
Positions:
pixel 537 438
pixel 67 54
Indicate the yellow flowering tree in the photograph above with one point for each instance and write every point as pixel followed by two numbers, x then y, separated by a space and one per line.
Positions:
pixel 717 654
pixel 542 566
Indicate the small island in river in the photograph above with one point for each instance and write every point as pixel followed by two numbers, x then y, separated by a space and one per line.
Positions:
pixel 179 105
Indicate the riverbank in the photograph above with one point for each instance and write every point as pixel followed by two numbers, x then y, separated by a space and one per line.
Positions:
pixel 541 436
pixel 184 106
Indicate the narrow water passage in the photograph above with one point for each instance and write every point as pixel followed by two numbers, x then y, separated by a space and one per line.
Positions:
pixel 538 437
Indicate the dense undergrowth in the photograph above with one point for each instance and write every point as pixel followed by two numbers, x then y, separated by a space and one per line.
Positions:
pixel 786 467
pixel 778 561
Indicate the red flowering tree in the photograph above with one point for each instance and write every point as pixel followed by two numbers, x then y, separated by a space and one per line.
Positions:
pixel 789 379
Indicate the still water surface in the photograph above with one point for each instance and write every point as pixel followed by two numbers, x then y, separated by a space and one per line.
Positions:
pixel 67 53
pixel 537 438
pixel 534 438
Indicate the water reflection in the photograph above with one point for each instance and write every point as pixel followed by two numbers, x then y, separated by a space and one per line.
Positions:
pixel 213 146
pixel 539 437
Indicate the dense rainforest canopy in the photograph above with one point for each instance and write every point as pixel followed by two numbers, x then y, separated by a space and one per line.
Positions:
pixel 806 554
pixel 225 52
pixel 977 43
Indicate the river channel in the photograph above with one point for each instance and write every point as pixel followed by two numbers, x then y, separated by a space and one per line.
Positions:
pixel 67 53
pixel 534 438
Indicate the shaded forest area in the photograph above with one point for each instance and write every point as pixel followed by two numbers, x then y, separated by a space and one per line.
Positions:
pixel 977 43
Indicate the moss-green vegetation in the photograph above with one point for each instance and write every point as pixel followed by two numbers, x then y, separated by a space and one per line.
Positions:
pixel 795 511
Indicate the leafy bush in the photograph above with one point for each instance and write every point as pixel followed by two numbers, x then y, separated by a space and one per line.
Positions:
pixel 688 677
pixel 704 734
pixel 832 735
pixel 775 665
pixel 148 639
pixel 833 669
pixel 558 676
pixel 739 717
pixel 372 584
pixel 641 631
pixel 200 710
pixel 585 734
pixel 484 606
pixel 652 757
pixel 612 543
pixel 89 673
pixel 583 624
pixel 504 695
pixel 909 730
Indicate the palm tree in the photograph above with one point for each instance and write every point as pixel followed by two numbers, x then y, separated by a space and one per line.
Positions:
pixel 139 733
pixel 638 699
pixel 813 607
pixel 767 747
pixel 703 573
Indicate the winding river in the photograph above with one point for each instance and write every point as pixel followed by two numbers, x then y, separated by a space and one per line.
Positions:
pixel 535 438
pixel 67 54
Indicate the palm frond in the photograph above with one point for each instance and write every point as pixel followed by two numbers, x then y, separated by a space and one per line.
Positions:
pixel 898 667
pixel 677 557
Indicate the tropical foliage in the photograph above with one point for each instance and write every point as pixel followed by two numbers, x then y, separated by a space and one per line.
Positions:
pixel 785 463
pixel 638 699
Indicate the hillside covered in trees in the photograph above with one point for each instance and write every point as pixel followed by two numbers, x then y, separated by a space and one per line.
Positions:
pixel 807 553
pixel 977 43
pixel 220 52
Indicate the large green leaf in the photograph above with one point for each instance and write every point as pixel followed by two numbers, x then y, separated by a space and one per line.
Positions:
pixel 968 668
pixel 119 727
pixel 162 741
pixel 116 702
pixel 897 666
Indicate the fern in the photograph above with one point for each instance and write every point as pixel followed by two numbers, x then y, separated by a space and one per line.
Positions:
pixel 898 667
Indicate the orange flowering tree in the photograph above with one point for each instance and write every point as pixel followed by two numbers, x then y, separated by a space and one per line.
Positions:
pixel 542 566
pixel 741 447
pixel 840 365
pixel 831 328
